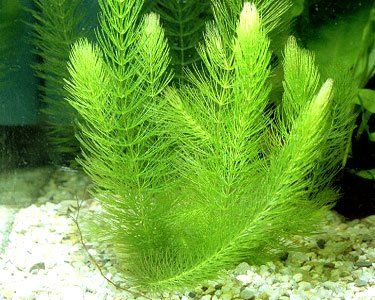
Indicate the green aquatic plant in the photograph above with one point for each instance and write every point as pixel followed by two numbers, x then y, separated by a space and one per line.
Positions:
pixel 115 87
pixel 195 179
pixel 237 194
pixel 57 26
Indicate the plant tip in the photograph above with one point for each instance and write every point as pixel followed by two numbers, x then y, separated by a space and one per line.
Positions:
pixel 324 96
pixel 249 18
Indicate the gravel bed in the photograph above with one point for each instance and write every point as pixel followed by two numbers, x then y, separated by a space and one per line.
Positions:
pixel 44 259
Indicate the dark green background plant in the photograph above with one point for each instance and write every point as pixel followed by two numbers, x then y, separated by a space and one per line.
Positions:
pixel 184 23
pixel 58 24
pixel 56 28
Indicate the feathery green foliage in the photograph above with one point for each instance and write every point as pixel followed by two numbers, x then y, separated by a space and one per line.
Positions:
pixel 56 28
pixel 184 23
pixel 241 198
pixel 277 16
pixel 196 179
pixel 116 87
pixel 301 80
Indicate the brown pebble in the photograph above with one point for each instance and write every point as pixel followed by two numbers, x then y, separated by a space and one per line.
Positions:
pixel 329 265
pixel 321 243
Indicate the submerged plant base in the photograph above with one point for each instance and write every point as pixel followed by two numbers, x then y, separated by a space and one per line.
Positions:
pixel 44 258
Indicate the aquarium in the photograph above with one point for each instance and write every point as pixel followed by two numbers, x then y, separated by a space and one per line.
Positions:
pixel 185 149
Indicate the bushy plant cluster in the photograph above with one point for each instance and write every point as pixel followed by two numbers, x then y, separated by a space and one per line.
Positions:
pixel 196 177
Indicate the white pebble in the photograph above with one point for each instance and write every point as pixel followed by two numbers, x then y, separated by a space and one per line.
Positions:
pixel 297 277
pixel 244 279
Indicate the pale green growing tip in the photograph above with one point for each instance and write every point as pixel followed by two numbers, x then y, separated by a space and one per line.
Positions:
pixel 152 21
pixel 323 97
pixel 249 18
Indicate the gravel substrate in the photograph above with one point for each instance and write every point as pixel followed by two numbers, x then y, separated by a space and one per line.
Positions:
pixel 42 258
